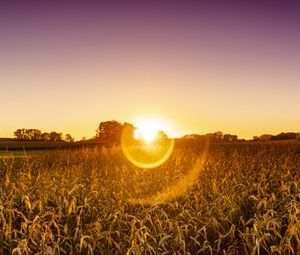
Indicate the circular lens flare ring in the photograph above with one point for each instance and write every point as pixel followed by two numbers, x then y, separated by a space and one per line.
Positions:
pixel 136 160
pixel 146 150
pixel 183 185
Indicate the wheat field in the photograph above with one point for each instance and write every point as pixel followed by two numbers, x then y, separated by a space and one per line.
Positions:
pixel 240 199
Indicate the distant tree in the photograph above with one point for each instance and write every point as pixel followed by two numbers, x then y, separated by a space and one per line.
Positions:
pixel 19 134
pixel 265 137
pixel 45 136
pixel 28 134
pixel 129 128
pixel 226 138
pixel 35 134
pixel 285 136
pixel 233 138
pixel 83 138
pixel 69 138
pixel 55 137
pixel 193 136
pixel 217 136
pixel 230 138
pixel 110 131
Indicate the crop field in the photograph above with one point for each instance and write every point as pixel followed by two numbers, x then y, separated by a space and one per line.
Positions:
pixel 228 199
pixel 24 153
pixel 34 145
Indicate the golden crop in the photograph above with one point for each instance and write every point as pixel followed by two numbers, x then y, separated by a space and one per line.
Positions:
pixel 245 199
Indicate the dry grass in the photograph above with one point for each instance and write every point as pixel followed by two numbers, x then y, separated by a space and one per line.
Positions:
pixel 245 201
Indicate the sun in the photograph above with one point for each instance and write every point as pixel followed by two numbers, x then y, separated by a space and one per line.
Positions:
pixel 151 146
pixel 147 130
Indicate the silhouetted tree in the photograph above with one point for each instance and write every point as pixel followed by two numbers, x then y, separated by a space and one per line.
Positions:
pixel 214 137
pixel 69 138
pixel 193 136
pixel 285 136
pixel 45 136
pixel 110 131
pixel 20 134
pixel 28 134
pixel 265 137
pixel 217 136
pixel 55 137
pixel 129 128
pixel 230 138
pixel 35 134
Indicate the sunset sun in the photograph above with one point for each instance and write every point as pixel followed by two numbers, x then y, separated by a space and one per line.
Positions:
pixel 147 130
pixel 151 146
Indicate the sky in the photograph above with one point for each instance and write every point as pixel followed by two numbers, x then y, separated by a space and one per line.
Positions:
pixel 201 66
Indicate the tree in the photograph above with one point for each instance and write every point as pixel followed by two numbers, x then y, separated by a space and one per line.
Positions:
pixel 28 134
pixel 217 136
pixel 45 136
pixel 55 137
pixel 129 128
pixel 193 136
pixel 230 138
pixel 69 138
pixel 19 134
pixel 110 131
pixel 34 134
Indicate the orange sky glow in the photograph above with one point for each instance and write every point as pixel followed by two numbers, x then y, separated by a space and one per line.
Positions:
pixel 200 68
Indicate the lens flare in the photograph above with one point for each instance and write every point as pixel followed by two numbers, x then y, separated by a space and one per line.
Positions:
pixel 144 148
pixel 178 188
pixel 147 148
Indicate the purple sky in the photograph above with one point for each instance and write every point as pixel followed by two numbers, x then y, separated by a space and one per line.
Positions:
pixel 204 67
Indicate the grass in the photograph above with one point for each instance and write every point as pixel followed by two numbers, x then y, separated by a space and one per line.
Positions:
pixel 30 145
pixel 24 153
pixel 242 199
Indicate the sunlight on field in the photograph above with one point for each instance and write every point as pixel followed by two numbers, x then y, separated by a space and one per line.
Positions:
pixel 200 197
pixel 171 192
pixel 237 199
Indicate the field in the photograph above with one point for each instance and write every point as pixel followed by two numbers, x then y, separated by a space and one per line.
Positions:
pixel 230 199
pixel 13 144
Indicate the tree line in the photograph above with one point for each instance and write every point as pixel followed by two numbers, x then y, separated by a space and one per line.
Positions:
pixel 110 131
pixel 281 136
pixel 213 137
pixel 37 135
